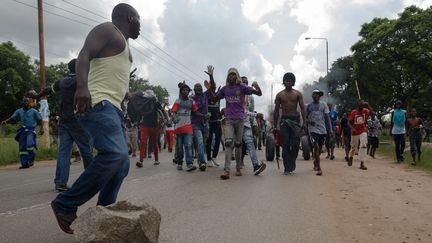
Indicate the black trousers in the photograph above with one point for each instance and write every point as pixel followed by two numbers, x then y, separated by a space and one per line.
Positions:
pixel 290 133
pixel 215 129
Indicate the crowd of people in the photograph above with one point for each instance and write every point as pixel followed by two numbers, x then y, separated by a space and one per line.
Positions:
pixel 96 106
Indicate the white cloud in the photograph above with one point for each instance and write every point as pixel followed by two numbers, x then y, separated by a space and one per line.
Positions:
pixel 419 3
pixel 267 30
pixel 255 10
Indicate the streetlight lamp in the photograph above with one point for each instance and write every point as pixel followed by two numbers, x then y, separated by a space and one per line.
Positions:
pixel 326 40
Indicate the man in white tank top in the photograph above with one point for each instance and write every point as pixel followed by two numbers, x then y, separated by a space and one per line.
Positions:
pixel 103 68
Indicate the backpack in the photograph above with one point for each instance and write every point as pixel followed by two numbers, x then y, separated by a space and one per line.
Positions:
pixel 139 103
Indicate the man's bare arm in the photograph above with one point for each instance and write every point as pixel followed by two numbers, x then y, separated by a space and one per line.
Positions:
pixel 276 112
pixel 257 88
pixel 302 108
pixel 95 42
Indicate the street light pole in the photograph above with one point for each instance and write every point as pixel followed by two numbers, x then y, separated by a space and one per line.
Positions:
pixel 326 40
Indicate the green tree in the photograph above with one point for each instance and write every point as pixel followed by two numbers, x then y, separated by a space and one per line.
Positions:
pixel 16 78
pixel 52 74
pixel 392 60
pixel 140 84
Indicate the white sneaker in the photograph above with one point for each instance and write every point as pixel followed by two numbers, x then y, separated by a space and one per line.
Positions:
pixel 214 162
pixel 210 163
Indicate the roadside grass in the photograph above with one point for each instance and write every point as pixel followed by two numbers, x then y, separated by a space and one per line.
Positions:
pixel 9 151
pixel 387 149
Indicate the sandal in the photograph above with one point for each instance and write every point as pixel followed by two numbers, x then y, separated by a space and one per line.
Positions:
pixel 225 175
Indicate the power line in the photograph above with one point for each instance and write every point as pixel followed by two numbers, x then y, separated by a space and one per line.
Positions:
pixel 86 10
pixel 165 60
pixel 166 53
pixel 145 38
pixel 76 21
pixel 31 6
pixel 32 46
pixel 166 68
pixel 68 11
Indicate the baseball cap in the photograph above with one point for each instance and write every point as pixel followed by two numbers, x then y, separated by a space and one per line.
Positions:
pixel 318 91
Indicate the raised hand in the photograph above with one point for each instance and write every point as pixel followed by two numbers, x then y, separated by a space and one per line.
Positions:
pixel 255 85
pixel 210 70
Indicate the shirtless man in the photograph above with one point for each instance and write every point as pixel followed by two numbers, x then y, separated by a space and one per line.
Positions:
pixel 288 100
pixel 103 68
pixel 415 124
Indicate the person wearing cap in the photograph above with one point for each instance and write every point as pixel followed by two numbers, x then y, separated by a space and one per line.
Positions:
pixel 357 122
pixel 288 100
pixel 398 129
pixel 234 93
pixel 182 110
pixel 319 126
pixel 26 134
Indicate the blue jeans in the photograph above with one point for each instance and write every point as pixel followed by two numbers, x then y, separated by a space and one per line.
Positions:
pixel 248 139
pixel 200 133
pixel 71 131
pixel 184 140
pixel 110 166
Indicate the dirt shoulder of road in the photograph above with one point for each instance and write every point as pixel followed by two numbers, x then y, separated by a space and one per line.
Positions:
pixel 40 163
pixel 387 203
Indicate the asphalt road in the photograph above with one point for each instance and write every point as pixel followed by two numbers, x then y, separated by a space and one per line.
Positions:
pixel 195 206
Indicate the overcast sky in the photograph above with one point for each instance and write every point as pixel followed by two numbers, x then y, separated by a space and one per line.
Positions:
pixel 262 38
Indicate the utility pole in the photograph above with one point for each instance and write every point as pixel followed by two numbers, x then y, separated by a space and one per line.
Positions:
pixel 44 108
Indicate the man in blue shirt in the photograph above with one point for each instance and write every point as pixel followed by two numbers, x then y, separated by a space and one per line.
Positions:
pixel 26 135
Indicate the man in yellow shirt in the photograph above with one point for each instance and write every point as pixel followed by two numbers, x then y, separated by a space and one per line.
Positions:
pixel 103 68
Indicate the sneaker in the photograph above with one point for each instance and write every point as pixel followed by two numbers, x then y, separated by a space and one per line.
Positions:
pixel 139 164
pixel 202 166
pixel 260 168
pixel 332 157
pixel 319 172
pixel 225 175
pixel 350 160
pixel 214 162
pixel 179 167
pixel 287 172
pixel 61 188
pixel 156 163
pixel 24 167
pixel 191 168
pixel 210 163
pixel 64 220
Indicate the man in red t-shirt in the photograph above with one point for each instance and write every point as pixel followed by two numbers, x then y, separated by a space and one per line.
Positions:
pixel 357 122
